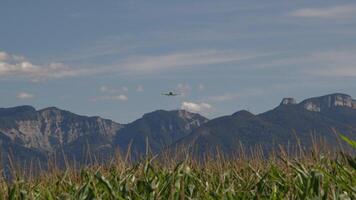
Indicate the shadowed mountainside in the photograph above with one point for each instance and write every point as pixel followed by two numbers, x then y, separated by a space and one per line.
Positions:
pixel 159 129
pixel 288 124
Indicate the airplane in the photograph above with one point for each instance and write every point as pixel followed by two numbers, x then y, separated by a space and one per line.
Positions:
pixel 171 94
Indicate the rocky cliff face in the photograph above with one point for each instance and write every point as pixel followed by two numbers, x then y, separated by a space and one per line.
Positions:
pixel 48 129
pixel 325 103
pixel 52 131
pixel 288 101
pixel 354 104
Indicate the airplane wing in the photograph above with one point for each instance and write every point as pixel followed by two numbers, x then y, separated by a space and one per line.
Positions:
pixel 170 94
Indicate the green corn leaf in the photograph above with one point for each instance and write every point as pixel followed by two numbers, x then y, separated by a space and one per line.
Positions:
pixel 349 141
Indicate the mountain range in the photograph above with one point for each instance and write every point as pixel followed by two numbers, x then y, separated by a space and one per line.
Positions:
pixel 27 134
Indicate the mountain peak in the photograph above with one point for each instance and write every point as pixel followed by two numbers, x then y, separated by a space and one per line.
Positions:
pixel 54 112
pixel 243 113
pixel 186 114
pixel 288 101
pixel 19 108
pixel 18 111
pixel 51 108
pixel 181 113
pixel 327 102
pixel 160 128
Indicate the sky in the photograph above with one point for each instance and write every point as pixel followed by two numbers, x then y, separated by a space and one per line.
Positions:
pixel 114 58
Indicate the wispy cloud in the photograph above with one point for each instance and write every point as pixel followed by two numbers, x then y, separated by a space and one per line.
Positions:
pixel 334 12
pixel 111 90
pixel 25 95
pixel 224 97
pixel 329 63
pixel 120 97
pixel 347 72
pixel 20 67
pixel 247 93
pixel 111 94
pixel 144 64
pixel 333 64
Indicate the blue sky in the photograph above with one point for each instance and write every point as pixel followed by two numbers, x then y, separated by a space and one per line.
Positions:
pixel 114 58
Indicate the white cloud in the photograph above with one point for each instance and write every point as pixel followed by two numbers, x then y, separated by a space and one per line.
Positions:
pixel 335 12
pixel 107 89
pixel 140 88
pixel 111 94
pixel 3 56
pixel 24 95
pixel 120 97
pixel 20 67
pixel 196 107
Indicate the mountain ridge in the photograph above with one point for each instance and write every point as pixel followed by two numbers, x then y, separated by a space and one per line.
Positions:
pixel 288 123
pixel 36 133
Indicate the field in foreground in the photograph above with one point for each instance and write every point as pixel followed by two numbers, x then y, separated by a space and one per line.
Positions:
pixel 313 175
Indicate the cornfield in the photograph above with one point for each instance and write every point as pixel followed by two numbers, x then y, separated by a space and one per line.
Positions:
pixel 313 175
